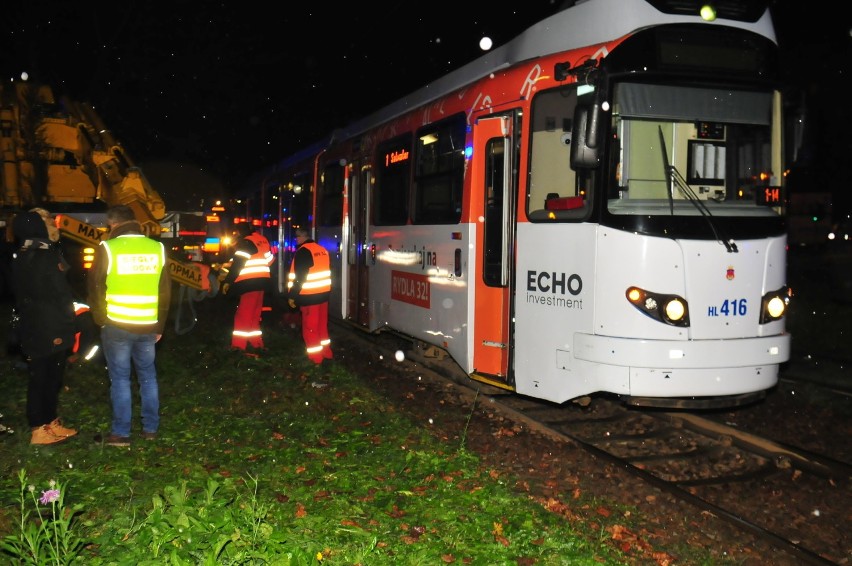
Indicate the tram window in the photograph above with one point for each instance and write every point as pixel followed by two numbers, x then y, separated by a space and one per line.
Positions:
pixel 296 206
pixel 556 192
pixel 494 254
pixel 393 174
pixel 439 172
pixel 718 143
pixel 330 201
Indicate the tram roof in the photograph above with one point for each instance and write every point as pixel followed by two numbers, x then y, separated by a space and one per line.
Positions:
pixel 587 23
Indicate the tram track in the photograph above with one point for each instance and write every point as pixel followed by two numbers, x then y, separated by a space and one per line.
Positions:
pixel 770 490
pixel 697 461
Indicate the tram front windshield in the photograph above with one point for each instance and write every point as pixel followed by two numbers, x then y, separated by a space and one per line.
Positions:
pixel 682 151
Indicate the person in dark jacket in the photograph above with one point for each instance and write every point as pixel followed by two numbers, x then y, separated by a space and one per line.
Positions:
pixel 248 276
pixel 45 305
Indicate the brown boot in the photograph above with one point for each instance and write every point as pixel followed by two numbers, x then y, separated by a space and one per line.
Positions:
pixel 42 435
pixel 58 430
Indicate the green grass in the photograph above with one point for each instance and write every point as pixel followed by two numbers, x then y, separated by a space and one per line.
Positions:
pixel 255 464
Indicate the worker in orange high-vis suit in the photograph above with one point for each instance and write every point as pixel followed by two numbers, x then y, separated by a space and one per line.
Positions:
pixel 248 275
pixel 309 288
pixel 85 340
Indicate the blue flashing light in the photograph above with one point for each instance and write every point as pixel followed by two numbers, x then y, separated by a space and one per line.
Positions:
pixel 468 151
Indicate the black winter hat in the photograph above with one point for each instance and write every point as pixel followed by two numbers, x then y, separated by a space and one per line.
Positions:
pixel 29 225
pixel 244 229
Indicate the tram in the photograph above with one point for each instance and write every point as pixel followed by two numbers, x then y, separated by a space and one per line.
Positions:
pixel 596 206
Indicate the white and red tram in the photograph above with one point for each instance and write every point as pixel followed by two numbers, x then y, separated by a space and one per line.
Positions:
pixel 595 206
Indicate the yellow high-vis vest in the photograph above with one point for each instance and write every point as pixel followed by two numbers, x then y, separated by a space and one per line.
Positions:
pixel 133 278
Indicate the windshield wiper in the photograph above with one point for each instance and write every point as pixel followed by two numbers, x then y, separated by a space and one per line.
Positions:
pixel 668 169
pixel 675 178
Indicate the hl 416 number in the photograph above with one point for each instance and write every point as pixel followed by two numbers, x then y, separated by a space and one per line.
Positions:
pixel 729 307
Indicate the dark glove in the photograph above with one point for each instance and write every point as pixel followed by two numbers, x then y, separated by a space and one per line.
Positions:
pixel 292 303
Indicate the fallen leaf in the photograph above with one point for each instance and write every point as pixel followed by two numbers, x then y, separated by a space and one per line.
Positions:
pixel 663 559
pixel 417 531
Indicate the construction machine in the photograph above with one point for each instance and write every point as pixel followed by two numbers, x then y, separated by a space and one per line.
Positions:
pixel 59 155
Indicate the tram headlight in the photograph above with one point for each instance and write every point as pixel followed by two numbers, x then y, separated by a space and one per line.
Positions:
pixel 774 305
pixel 669 309
pixel 675 309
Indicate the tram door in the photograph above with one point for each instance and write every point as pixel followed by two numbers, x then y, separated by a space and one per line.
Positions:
pixel 357 304
pixel 492 207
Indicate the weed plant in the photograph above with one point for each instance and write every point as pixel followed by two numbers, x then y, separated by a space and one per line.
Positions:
pixel 261 461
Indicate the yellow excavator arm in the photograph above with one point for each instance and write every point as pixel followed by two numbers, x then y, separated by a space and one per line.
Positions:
pixel 61 155
pixel 183 273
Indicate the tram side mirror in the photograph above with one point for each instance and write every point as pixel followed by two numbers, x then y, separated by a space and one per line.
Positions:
pixel 585 133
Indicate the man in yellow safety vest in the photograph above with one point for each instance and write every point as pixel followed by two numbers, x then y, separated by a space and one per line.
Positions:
pixel 129 294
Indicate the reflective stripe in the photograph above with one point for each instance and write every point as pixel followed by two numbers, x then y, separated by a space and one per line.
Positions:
pixel 133 311
pixel 257 264
pixel 318 279
pixel 133 299
pixel 92 351
pixel 249 334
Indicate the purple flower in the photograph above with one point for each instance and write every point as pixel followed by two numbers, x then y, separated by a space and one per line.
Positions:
pixel 49 496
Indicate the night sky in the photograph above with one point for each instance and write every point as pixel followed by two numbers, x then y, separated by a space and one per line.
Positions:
pixel 204 94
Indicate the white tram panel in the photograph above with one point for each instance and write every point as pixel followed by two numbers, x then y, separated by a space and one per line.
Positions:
pixel 555 299
pixel 414 288
pixel 715 355
pixel 574 340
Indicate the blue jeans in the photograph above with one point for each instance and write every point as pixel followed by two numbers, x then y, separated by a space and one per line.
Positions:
pixel 120 348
